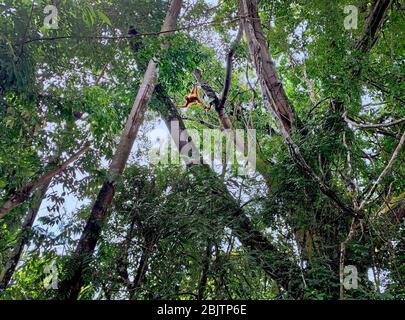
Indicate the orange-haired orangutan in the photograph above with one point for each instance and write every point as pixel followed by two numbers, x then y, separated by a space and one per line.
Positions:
pixel 194 97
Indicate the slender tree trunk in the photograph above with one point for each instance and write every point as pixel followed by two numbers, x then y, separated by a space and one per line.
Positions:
pixel 70 288
pixel 143 262
pixel 205 269
pixel 123 263
pixel 23 237
pixel 342 259
pixel 31 215
pixel 123 270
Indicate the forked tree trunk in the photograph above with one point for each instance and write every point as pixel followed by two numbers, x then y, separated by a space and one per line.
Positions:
pixel 70 288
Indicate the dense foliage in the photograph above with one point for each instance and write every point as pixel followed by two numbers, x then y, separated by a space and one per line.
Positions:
pixel 171 231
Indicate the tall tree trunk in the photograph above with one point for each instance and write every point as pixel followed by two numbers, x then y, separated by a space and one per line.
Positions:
pixel 70 288
pixel 272 88
pixel 273 92
pixel 275 97
pixel 271 85
pixel 23 237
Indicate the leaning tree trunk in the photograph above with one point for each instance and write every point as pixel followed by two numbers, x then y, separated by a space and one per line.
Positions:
pixel 32 212
pixel 22 194
pixel 70 288
pixel 372 27
pixel 271 85
pixel 40 187
pixel 362 47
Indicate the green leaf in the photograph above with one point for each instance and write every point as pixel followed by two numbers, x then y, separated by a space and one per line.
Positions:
pixel 104 18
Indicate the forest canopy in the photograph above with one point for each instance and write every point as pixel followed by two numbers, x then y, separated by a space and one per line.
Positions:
pixel 202 149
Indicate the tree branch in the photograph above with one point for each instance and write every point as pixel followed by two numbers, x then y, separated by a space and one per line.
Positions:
pixel 383 173
pixel 23 194
pixel 371 125
pixel 209 91
pixel 229 62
